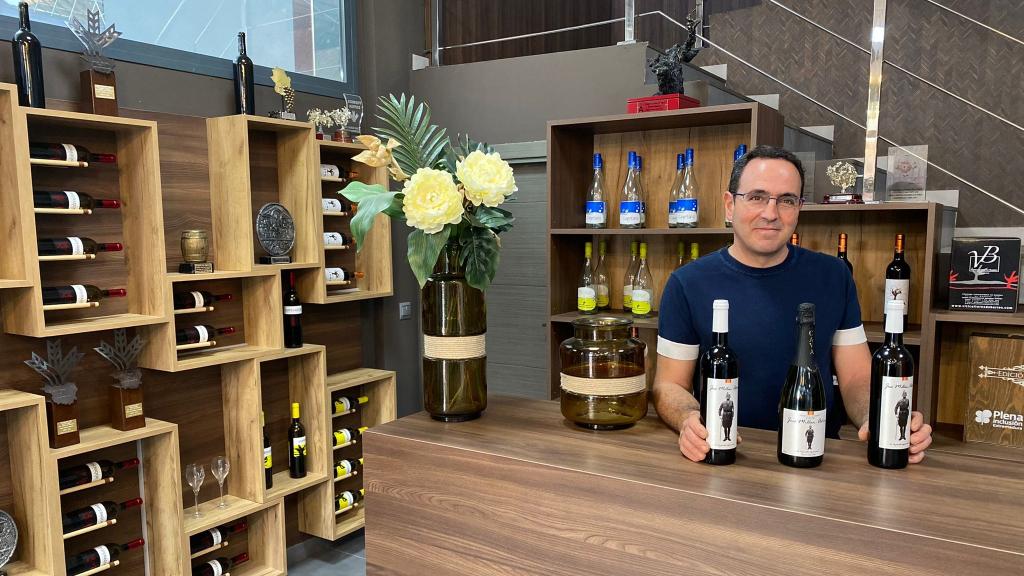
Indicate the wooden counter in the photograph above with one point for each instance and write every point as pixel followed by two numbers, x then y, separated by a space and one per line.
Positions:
pixel 521 491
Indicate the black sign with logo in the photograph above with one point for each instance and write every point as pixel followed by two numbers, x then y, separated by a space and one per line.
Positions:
pixel 984 274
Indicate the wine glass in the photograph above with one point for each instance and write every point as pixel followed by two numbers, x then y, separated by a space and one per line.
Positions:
pixel 220 467
pixel 194 475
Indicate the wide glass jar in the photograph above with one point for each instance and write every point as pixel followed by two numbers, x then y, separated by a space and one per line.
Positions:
pixel 604 386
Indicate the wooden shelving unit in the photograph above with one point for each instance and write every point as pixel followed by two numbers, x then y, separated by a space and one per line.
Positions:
pixel 264 539
pixel 16 221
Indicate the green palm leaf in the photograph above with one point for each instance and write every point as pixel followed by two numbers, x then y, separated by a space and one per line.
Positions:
pixel 421 144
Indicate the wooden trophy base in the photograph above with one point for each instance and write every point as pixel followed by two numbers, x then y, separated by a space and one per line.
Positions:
pixel 126 408
pixel 99 93
pixel 62 424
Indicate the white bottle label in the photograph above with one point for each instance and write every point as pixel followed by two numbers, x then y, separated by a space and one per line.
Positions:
pixel 331 204
pixel 104 555
pixel 70 152
pixel 77 248
pixel 333 239
pixel 81 296
pixel 897 290
pixel 894 418
pixel 803 433
pixel 198 297
pixel 586 298
pixel 216 535
pixel 329 171
pixel 95 472
pixel 641 301
pixel 722 412
pixel 215 566
pixel 292 310
pixel 74 202
pixel 673 217
pixel 334 273
pixel 100 512
pixel 204 334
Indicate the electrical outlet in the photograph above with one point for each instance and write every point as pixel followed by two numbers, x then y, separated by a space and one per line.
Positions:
pixel 404 310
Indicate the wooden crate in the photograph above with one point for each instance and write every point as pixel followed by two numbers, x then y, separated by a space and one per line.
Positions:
pixel 264 539
pixel 17 228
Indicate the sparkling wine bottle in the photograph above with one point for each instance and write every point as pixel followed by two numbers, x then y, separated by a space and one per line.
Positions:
pixel 897 279
pixel 297 445
pixel 28 62
pixel 596 213
pixel 841 254
pixel 199 333
pixel 586 294
pixel 245 91
pixel 643 286
pixel 627 280
pixel 719 390
pixel 346 435
pixel 197 299
pixel 99 556
pixel 348 499
pixel 69 200
pixel 601 284
pixel 214 536
pixel 346 468
pixel 630 199
pixel 95 514
pixel 74 246
pixel 219 566
pixel 268 456
pixel 68 152
pixel 892 392
pixel 92 472
pixel 345 403
pixel 292 315
pixel 801 441
pixel 78 294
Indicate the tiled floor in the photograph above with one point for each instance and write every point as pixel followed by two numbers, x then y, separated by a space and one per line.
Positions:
pixel 316 557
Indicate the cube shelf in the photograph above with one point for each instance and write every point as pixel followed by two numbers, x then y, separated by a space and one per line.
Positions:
pixel 16 225
pixel 263 540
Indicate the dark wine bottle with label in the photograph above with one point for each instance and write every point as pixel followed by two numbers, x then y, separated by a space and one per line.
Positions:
pixel 67 152
pixel 268 456
pixel 28 62
pixel 95 514
pixel 897 279
pixel 343 404
pixel 74 246
pixel 99 556
pixel 296 445
pixel 892 394
pixel 197 299
pixel 346 468
pixel 93 472
pixel 245 90
pixel 292 315
pixel 214 536
pixel 802 405
pixel 346 435
pixel 719 390
pixel 219 566
pixel 199 333
pixel 78 294
pixel 348 499
pixel 841 254
pixel 70 200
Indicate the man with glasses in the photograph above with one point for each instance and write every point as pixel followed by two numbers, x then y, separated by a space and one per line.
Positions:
pixel 764 278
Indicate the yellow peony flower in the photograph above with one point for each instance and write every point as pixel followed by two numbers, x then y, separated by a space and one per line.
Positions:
pixel 487 178
pixel 377 155
pixel 432 200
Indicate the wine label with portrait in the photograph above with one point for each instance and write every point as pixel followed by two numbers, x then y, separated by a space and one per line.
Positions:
pixel 268 458
pixel 216 568
pixel 803 433
pixel 204 334
pixel 722 408
pixel 103 555
pixel 602 295
pixel 95 472
pixel 641 301
pixel 77 247
pixel 299 446
pixel 70 152
pixel 894 417
pixel 81 295
pixel 595 212
pixel 586 298
pixel 897 290
pixel 101 513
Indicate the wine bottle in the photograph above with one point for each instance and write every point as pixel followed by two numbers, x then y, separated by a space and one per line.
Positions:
pixel 841 254
pixel 802 405
pixel 69 200
pixel 586 294
pixel 897 279
pixel 601 285
pixel 629 199
pixel 596 215
pixel 719 390
pixel 643 286
pixel 336 239
pixel 343 404
pixel 214 536
pixel 690 190
pixel 348 499
pixel 197 299
pixel 74 246
pixel 627 281
pixel 296 445
pixel 67 152
pixel 292 315
pixel 92 472
pixel 680 254
pixel 346 435
pixel 642 190
pixel 676 192
pixel 95 514
pixel 694 251
pixel 340 273
pixel 268 456
pixel 218 566
pixel 740 152
pixel 199 333
pixel 795 239
pixel 345 468
pixel 892 391
pixel 98 556
pixel 28 62
pixel 245 90
pixel 78 294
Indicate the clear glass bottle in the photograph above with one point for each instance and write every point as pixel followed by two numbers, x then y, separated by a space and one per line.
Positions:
pixel 597 215
pixel 643 286
pixel 694 251
pixel 601 349
pixel 630 200
pixel 601 284
pixel 741 150
pixel 675 193
pixel 586 294
pixel 688 202
pixel 681 254
pixel 627 281
pixel 643 190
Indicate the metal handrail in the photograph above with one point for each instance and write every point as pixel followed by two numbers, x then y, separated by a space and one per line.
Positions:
pixel 982 24
pixel 543 33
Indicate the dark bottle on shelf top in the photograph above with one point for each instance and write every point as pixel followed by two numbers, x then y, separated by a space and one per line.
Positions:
pixel 841 254
pixel 74 246
pixel 719 390
pixel 214 536
pixel 897 279
pixel 268 456
pixel 802 405
pixel 218 566
pixel 93 472
pixel 69 200
pixel 99 556
pixel 245 91
pixel 28 62
pixel 95 514
pixel 197 299
pixel 78 294
pixel 296 445
pixel 68 152
pixel 292 315
pixel 892 393
pixel 199 333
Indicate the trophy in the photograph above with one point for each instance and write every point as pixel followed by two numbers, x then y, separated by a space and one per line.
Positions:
pixel 126 395
pixel 8 539
pixel 99 93
pixel 275 231
pixel 195 249
pixel 61 394
pixel 843 175
pixel 283 86
pixel 354 123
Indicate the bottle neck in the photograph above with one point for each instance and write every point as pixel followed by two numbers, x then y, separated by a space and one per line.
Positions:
pixel 805 345
pixel 894 340
pixel 23 16
pixel 241 43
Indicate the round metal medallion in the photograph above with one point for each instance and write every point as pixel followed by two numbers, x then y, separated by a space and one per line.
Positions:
pixel 8 537
pixel 275 229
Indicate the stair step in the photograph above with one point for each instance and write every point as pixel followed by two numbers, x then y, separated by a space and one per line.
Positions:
pixel 769 100
pixel 718 70
pixel 828 132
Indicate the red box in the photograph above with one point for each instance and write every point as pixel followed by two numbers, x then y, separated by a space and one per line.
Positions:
pixel 660 102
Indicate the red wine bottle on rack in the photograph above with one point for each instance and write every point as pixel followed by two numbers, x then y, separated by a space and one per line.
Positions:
pixel 78 294
pixel 74 246
pixel 897 279
pixel 96 514
pixel 842 251
pixel 93 472
pixel 99 556
pixel 292 315
pixel 296 445
pixel 218 566
pixel 197 299
pixel 892 391
pixel 268 456
pixel 802 405
pixel 344 403
pixel 345 468
pixel 719 390
pixel 214 536
pixel 348 499
pixel 69 200
pixel 199 333
pixel 68 152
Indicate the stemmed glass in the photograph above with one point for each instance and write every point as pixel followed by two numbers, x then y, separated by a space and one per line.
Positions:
pixel 220 467
pixel 194 475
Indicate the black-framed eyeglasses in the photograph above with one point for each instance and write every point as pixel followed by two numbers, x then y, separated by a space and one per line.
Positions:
pixel 761 199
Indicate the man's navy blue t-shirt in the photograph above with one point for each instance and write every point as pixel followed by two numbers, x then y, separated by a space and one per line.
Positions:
pixel 762 322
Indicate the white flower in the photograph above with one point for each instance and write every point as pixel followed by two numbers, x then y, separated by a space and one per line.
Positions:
pixel 487 178
pixel 432 200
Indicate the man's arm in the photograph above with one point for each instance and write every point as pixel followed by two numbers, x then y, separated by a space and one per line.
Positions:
pixel 852 364
pixel 677 407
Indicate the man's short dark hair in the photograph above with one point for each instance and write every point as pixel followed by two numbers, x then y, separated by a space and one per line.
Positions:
pixel 769 153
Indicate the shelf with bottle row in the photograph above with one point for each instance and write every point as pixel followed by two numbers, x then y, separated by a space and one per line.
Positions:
pixel 641 232
pixel 263 538
pixel 318 515
pixel 991 318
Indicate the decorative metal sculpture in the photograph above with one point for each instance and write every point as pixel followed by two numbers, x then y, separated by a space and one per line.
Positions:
pixel 275 231
pixel 843 175
pixel 56 370
pixel 669 66
pixel 8 539
pixel 124 356
pixel 95 39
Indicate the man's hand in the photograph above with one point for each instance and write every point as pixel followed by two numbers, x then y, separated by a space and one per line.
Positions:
pixel 693 437
pixel 920 436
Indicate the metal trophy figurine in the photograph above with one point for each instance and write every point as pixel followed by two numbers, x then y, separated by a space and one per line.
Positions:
pixel 61 392
pixel 126 395
pixel 275 231
pixel 843 175
pixel 99 89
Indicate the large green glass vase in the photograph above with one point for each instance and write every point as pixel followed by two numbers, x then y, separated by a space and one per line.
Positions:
pixel 454 355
